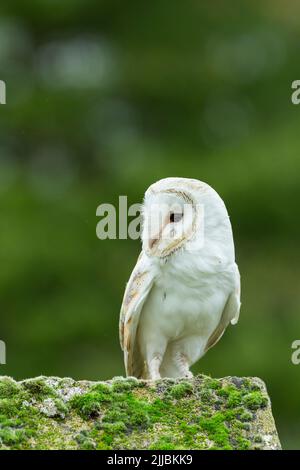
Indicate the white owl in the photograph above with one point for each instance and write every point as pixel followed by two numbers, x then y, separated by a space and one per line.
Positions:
pixel 185 287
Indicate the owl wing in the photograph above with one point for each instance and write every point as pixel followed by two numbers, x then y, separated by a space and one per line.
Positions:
pixel 137 291
pixel 230 313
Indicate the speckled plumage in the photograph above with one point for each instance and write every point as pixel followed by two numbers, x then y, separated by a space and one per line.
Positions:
pixel 185 287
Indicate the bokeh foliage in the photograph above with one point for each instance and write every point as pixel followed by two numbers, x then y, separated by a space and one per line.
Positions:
pixel 105 97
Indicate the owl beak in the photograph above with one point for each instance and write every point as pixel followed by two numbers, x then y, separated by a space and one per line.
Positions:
pixel 153 240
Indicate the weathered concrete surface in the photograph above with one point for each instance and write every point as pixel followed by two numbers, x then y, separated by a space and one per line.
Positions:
pixel 201 413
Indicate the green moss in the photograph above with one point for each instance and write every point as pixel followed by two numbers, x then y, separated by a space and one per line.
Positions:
pixel 234 399
pixel 17 423
pixel 112 428
pixel 243 444
pixel 61 407
pixel 217 429
pixel 120 413
pixel 123 414
pixel 212 384
pixel 207 396
pixel 251 386
pixel 232 394
pixel 245 416
pixel 189 431
pixel 38 388
pixel 7 408
pixel 10 436
pixel 123 385
pixel 245 426
pixel 131 411
pixel 129 414
pixel 181 389
pixel 102 389
pixel 255 400
pixel 8 387
pixel 85 441
pixel 163 443
pixel 89 404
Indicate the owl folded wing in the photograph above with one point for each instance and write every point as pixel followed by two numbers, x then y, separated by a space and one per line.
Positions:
pixel 137 291
pixel 230 313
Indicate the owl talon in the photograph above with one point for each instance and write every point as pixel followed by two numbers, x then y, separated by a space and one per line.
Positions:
pixel 189 375
pixel 154 366
pixel 183 365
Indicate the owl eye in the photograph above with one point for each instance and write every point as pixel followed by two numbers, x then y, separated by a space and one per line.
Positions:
pixel 175 217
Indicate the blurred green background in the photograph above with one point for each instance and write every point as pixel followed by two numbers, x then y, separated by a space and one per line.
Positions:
pixel 106 97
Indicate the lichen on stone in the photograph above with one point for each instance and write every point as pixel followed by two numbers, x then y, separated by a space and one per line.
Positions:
pixel 198 413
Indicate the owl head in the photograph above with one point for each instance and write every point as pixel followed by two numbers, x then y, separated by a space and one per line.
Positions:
pixel 182 213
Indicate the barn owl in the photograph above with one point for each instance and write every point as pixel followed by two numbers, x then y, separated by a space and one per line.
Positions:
pixel 185 287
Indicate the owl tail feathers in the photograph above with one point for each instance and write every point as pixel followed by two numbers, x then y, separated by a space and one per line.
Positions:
pixel 137 367
pixel 142 372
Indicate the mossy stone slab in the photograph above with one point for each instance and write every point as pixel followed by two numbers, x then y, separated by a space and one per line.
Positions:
pixel 199 413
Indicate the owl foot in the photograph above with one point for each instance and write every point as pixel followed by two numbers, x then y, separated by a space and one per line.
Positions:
pixel 154 366
pixel 183 365
pixel 189 375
